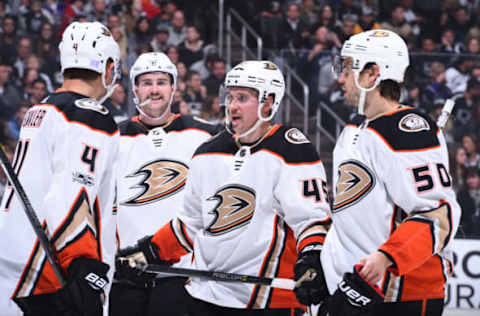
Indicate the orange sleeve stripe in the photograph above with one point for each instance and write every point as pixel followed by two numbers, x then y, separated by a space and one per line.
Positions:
pixel 169 247
pixel 312 239
pixel 410 245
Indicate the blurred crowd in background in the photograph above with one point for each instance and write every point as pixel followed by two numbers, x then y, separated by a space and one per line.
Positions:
pixel 443 37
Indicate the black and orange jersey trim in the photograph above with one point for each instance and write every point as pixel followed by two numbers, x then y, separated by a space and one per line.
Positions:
pixel 133 127
pixel 64 102
pixel 172 241
pixel 274 142
pixel 387 128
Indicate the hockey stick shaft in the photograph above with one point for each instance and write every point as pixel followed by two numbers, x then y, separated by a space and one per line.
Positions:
pixel 160 270
pixel 32 217
pixel 446 111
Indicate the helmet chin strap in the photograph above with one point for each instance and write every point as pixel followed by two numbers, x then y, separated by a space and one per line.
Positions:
pixel 139 107
pixel 260 120
pixel 363 92
pixel 110 88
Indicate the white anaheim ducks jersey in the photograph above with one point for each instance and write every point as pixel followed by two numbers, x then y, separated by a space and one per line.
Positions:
pixel 153 171
pixel 65 160
pixel 393 194
pixel 247 210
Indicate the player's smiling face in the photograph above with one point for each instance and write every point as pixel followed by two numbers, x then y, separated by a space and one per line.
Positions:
pixel 242 105
pixel 157 87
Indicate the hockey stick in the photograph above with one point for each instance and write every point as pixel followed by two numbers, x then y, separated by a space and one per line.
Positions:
pixel 281 283
pixel 446 111
pixel 32 217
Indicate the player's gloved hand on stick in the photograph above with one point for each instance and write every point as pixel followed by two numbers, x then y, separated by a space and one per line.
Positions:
pixel 311 286
pixel 127 259
pixel 83 294
pixel 354 296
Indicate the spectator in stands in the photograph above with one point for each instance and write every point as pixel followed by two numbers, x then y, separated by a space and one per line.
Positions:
pixel 450 43
pixel 56 9
pixel 9 97
pixel 348 8
pixel 461 23
pixel 36 16
pixel 34 62
pixel 181 107
pixel 204 66
pixel 113 21
pixel 191 49
pixel 346 29
pixel 172 53
pixel 8 146
pixel 38 92
pixel 437 88
pixel 309 12
pixel 74 9
pixel 143 33
pixel 412 16
pixel 366 21
pixel 8 39
pixel 212 111
pixel 414 98
pixel 398 23
pixel 270 23
pixel 177 30
pixel 457 75
pixel 117 104
pixel 168 8
pixel 472 45
pixel 462 113
pixel 316 65
pixel 195 93
pixel 217 77
pixel 99 12
pixel 294 33
pixel 122 41
pixel 160 39
pixel 458 168
pixel 181 76
pixel 326 18
pixel 469 200
pixel 14 125
pixel 24 50
pixel 469 142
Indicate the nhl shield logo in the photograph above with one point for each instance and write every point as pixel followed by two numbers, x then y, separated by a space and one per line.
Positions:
pixel 411 123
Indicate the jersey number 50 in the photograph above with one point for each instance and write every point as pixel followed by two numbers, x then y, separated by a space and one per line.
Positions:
pixel 424 180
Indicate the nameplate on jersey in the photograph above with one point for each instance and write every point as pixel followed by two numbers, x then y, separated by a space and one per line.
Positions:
pixel 91 104
pixel 158 137
pixel 412 123
pixel 294 136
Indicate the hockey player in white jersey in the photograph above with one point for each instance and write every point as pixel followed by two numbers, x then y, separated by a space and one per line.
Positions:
pixel 155 151
pixel 255 197
pixel 65 161
pixel 395 213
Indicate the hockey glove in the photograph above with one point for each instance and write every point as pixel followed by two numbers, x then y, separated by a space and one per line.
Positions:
pixel 143 252
pixel 311 286
pixel 354 296
pixel 84 291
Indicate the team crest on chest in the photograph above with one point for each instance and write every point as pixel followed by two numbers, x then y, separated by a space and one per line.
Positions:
pixel 161 179
pixel 355 181
pixel 294 136
pixel 234 209
pixel 413 123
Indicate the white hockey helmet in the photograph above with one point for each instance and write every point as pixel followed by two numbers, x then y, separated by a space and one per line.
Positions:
pixel 263 76
pixel 152 62
pixel 89 45
pixel 384 48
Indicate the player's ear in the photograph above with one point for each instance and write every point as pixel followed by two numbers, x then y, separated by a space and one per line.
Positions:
pixel 267 107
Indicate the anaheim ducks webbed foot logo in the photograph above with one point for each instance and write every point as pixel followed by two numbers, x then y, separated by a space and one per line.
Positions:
pixel 161 179
pixel 234 209
pixel 355 181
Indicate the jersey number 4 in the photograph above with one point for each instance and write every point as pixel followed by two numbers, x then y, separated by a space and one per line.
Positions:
pixel 311 189
pixel 424 180
pixel 89 156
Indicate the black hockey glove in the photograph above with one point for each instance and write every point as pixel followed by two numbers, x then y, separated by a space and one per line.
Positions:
pixel 354 296
pixel 143 252
pixel 86 281
pixel 311 288
pixel 83 294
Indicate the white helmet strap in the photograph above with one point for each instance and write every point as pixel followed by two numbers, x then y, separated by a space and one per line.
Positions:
pixel 140 105
pixel 363 91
